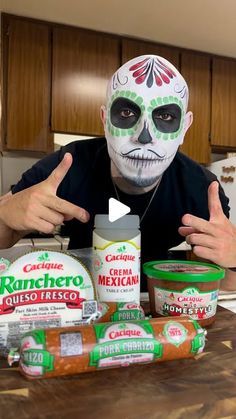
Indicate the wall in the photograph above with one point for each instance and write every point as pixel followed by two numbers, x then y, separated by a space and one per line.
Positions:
pixel 12 167
pixel 63 139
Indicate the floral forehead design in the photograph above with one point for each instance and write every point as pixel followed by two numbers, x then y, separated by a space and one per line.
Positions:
pixel 152 70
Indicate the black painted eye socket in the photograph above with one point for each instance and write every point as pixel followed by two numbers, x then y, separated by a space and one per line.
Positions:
pixel 124 113
pixel 167 118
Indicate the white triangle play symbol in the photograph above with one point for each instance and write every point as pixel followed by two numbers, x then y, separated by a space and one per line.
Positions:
pixel 117 209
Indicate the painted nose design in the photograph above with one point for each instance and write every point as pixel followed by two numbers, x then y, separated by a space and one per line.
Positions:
pixel 145 136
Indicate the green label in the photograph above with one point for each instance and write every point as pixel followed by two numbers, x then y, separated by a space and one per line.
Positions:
pixel 38 335
pixel 198 343
pixel 122 343
pixel 39 358
pixel 125 347
pixel 126 315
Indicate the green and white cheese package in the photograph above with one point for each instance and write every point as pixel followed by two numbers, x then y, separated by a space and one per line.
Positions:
pixel 42 289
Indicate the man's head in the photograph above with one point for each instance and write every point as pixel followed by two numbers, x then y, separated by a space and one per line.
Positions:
pixel 145 118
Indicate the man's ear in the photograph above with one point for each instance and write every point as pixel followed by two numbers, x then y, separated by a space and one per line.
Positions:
pixel 188 119
pixel 103 114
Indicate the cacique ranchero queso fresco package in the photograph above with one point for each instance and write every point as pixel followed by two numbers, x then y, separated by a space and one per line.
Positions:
pixel 42 289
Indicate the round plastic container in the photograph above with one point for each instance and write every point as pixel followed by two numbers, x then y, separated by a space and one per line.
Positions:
pixel 180 288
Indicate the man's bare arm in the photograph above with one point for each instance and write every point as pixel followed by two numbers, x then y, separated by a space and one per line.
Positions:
pixel 37 208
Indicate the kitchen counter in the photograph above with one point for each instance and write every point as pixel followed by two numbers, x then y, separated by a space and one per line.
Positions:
pixel 202 387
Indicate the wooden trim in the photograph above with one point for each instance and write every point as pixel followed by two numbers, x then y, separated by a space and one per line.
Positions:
pixel 223 149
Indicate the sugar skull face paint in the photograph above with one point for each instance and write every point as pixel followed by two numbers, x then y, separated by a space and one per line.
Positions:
pixel 145 119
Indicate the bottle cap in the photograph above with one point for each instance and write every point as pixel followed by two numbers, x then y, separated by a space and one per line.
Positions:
pixel 125 222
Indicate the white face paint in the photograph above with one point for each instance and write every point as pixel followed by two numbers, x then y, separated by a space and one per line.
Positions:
pixel 145 119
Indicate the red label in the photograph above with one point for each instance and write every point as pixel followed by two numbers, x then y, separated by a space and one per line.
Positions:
pixel 70 297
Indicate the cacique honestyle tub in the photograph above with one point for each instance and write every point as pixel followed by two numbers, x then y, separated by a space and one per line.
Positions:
pixel 180 288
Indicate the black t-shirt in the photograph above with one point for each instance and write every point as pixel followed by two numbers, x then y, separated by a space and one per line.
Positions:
pixel 183 189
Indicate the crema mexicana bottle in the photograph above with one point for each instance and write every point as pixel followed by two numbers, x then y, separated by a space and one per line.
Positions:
pixel 116 258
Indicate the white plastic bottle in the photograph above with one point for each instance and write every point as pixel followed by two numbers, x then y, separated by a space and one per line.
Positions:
pixel 116 258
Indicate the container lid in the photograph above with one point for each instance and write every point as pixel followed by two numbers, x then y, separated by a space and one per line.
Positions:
pixel 125 222
pixel 184 271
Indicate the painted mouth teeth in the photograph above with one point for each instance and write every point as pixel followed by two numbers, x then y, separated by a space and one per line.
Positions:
pixel 140 158
pixel 137 161
pixel 141 161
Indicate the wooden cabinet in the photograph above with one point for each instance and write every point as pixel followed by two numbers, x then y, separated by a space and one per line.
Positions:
pixel 83 62
pixel 195 68
pixel 132 48
pixel 223 120
pixel 26 85
pixel 54 79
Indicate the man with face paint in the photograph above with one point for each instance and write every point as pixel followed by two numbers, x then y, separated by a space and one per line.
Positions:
pixel 145 120
pixel 138 162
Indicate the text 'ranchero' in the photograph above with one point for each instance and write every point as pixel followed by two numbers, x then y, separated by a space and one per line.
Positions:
pixel 12 284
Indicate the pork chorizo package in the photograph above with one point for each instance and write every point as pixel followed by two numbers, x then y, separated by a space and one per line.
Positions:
pixel 42 289
pixel 73 350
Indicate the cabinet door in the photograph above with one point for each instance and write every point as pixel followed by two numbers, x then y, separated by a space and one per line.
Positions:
pixel 195 68
pixel 83 62
pixel 132 48
pixel 223 120
pixel 27 83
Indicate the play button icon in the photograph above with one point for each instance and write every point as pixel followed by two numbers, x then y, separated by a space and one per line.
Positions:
pixel 117 210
